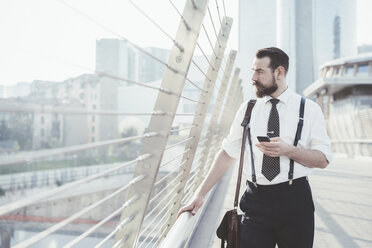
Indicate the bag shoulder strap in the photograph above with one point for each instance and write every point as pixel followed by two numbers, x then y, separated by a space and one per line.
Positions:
pixel 297 137
pixel 245 123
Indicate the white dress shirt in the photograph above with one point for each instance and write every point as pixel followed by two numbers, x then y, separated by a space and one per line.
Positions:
pixel 314 134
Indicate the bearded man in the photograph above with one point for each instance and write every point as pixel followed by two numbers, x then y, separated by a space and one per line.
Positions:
pixel 278 208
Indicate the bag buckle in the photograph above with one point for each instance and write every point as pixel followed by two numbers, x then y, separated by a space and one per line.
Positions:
pixel 290 182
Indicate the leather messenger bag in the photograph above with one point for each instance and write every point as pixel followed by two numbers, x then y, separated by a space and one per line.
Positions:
pixel 228 230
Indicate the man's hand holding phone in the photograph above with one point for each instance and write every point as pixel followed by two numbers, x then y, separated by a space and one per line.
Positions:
pixel 273 147
pixel 263 138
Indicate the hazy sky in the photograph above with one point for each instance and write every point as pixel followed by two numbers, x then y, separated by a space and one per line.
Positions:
pixel 33 32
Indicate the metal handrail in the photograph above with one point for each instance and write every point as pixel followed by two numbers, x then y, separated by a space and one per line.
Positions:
pixel 99 224
pixel 157 215
pixel 122 224
pixel 180 232
pixel 25 157
pixel 73 217
pixel 35 198
pixel 5 106
pixel 155 227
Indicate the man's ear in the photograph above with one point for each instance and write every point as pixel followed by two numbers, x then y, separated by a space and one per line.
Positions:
pixel 280 72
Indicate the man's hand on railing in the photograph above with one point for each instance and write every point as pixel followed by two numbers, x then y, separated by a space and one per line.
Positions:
pixel 193 207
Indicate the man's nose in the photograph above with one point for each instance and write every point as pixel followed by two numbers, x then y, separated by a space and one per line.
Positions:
pixel 253 77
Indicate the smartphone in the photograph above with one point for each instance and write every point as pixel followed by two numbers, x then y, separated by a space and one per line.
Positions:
pixel 263 138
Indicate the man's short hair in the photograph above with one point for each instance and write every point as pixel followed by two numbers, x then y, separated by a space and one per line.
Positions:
pixel 277 57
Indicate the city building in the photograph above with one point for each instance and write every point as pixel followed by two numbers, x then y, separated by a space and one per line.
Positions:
pixel 344 92
pixel 87 91
pixel 115 57
pixel 39 129
pixel 149 69
pixel 311 32
pixel 20 89
pixel 94 93
pixel 135 98
pixel 364 49
pixel 52 130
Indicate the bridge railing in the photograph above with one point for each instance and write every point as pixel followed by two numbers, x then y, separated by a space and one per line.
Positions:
pixel 172 162
pixel 351 133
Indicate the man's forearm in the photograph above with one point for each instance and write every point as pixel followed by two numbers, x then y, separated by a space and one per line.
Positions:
pixel 221 164
pixel 307 157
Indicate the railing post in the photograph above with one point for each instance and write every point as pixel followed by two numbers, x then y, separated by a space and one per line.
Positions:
pixel 233 85
pixel 214 128
pixel 167 102
pixel 210 145
pixel 233 102
pixel 233 98
pixel 201 111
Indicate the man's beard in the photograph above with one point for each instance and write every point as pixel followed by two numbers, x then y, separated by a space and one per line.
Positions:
pixel 262 91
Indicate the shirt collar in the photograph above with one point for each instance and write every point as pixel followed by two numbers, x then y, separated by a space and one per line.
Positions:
pixel 284 97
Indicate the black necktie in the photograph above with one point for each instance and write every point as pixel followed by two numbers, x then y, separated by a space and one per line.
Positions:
pixel 271 165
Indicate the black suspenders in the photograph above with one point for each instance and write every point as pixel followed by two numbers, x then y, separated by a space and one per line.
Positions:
pixel 297 138
pixel 300 124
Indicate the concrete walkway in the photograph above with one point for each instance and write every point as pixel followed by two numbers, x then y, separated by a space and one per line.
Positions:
pixel 343 202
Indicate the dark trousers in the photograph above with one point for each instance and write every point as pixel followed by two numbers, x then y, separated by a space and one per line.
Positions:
pixel 279 214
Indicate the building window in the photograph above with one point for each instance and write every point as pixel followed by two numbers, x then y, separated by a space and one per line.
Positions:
pixel 93 129
pixel 349 71
pixel 336 37
pixel 94 106
pixel 363 69
pixel 93 118
pixel 337 71
pixel 42 132
pixel 92 139
pixel 42 120
pixel 329 72
pixel 82 96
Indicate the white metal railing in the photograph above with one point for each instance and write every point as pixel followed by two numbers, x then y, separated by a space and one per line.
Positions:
pixel 148 212
pixel 29 156
pixel 351 133
pixel 4 209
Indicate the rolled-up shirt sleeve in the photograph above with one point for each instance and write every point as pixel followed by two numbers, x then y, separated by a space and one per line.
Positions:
pixel 232 143
pixel 319 139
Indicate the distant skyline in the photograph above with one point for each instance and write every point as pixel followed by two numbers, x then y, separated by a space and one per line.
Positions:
pixel 34 33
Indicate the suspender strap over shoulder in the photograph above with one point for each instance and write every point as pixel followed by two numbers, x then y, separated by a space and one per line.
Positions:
pixel 245 123
pixel 297 137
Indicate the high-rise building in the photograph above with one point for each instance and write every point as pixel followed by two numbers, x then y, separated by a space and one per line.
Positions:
pixel 311 32
pixel 115 57
pixel 364 49
pixel 149 69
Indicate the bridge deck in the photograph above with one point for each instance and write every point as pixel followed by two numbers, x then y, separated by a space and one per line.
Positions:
pixel 343 201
